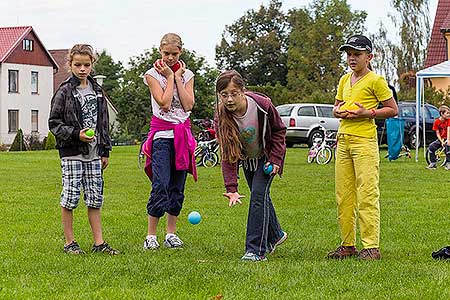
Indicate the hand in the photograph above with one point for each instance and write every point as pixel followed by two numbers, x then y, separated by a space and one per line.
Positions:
pixel 84 137
pixel 162 68
pixel 181 70
pixel 338 113
pixel 275 170
pixel 233 198
pixel 105 162
pixel 361 112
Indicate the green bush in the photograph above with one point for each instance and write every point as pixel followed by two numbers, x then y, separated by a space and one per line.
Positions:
pixel 19 142
pixel 49 141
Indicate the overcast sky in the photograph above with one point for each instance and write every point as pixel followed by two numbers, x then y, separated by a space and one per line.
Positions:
pixel 127 28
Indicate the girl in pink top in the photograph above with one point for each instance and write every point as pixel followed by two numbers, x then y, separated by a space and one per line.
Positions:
pixel 172 91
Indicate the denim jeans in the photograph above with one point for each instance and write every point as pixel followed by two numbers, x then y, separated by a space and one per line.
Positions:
pixel 167 193
pixel 435 146
pixel 263 228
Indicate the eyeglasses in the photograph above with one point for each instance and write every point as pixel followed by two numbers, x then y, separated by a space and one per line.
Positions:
pixel 225 96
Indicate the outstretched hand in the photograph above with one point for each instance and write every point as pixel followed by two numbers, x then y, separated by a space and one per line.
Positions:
pixel 233 198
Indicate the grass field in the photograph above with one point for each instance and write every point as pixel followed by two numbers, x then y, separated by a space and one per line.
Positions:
pixel 415 221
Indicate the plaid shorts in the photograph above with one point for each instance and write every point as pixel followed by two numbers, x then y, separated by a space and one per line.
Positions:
pixel 81 174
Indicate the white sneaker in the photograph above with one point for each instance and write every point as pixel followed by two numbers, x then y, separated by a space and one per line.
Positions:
pixel 249 256
pixel 173 241
pixel 279 242
pixel 151 243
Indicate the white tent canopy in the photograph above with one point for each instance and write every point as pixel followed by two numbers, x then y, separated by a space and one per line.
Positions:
pixel 439 70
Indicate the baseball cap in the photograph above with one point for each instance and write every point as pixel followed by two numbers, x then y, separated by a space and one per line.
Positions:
pixel 357 42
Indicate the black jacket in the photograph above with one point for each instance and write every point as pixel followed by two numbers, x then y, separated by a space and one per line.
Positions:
pixel 65 120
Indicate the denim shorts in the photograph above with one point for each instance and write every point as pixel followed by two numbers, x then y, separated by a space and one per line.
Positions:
pixel 77 175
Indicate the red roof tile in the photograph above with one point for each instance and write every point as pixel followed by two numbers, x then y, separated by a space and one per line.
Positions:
pixel 437 51
pixel 9 38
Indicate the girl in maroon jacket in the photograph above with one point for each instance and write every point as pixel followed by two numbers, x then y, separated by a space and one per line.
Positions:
pixel 250 131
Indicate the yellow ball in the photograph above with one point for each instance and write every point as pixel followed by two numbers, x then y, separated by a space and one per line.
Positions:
pixel 349 106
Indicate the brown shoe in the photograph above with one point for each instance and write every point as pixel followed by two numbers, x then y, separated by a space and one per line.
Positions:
pixel 370 254
pixel 343 252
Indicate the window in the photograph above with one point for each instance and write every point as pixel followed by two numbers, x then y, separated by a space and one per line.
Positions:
pixel 325 111
pixel 13 81
pixel 34 120
pixel 13 120
pixel 34 82
pixel 433 113
pixel 28 45
pixel 284 111
pixel 306 111
pixel 408 111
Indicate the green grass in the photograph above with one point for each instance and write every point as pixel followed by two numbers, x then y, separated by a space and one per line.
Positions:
pixel 414 222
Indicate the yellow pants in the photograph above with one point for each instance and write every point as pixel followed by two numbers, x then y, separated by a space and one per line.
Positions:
pixel 357 190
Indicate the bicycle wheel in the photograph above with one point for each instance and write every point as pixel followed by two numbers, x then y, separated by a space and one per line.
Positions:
pixel 210 160
pixel 324 155
pixel 312 155
pixel 440 157
pixel 141 156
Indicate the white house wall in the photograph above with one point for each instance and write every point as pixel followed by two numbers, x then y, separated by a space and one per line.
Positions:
pixel 24 100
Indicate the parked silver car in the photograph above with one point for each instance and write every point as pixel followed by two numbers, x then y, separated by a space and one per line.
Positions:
pixel 303 121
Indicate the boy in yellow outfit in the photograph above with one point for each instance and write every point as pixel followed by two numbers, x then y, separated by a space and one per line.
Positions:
pixel 357 156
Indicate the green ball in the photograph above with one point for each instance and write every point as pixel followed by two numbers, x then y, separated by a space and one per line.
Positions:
pixel 90 132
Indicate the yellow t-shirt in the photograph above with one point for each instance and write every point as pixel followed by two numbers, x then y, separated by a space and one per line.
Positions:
pixel 368 91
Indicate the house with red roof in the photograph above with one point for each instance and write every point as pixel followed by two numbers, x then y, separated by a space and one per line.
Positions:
pixel 26 83
pixel 439 45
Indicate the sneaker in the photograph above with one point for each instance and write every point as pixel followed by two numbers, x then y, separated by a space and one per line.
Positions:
pixel 105 248
pixel 370 254
pixel 283 237
pixel 443 253
pixel 73 248
pixel 447 166
pixel 342 252
pixel 151 243
pixel 248 256
pixel 173 241
pixel 431 167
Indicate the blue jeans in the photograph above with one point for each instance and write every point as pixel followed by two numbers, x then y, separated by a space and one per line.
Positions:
pixel 263 228
pixel 167 193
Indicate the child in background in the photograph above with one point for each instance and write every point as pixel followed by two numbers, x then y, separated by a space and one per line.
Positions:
pixel 441 126
pixel 170 145
pixel 78 105
pixel 250 131
pixel 357 154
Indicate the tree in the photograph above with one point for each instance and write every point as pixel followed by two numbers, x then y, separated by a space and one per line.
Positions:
pixel 106 66
pixel 414 23
pixel 132 97
pixel 256 45
pixel 314 61
pixel 19 142
pixel 384 61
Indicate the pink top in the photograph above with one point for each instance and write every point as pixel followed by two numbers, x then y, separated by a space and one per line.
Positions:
pixel 184 143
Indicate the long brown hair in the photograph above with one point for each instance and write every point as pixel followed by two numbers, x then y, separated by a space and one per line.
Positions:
pixel 228 133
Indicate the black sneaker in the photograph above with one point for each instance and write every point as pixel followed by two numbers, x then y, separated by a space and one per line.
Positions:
pixel 443 253
pixel 105 248
pixel 73 248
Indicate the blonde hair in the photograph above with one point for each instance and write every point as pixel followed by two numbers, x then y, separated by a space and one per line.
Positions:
pixel 171 39
pixel 231 146
pixel 81 49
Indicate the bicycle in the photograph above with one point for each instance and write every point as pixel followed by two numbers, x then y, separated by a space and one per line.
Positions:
pixel 322 149
pixel 206 153
pixel 440 157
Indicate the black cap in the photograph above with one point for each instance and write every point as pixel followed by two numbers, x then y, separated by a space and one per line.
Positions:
pixel 357 42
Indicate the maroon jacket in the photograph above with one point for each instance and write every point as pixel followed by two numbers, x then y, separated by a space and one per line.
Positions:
pixel 272 130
